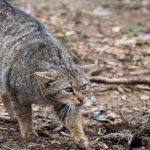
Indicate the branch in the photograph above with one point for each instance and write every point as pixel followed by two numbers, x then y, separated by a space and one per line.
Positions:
pixel 125 80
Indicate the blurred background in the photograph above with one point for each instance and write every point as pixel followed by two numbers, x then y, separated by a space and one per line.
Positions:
pixel 116 35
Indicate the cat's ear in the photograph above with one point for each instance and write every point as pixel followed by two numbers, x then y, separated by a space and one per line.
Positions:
pixel 45 77
pixel 88 68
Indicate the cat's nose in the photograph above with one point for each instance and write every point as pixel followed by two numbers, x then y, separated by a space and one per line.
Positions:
pixel 81 99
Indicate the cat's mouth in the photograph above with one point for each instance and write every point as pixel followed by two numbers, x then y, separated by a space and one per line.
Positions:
pixel 79 104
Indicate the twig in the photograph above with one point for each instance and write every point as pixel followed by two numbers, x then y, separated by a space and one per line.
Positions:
pixel 123 117
pixel 126 80
pixel 6 147
pixel 5 119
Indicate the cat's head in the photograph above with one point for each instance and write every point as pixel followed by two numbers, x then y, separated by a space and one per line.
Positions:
pixel 67 86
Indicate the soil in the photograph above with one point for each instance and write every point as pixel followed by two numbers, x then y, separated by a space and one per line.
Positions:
pixel 115 117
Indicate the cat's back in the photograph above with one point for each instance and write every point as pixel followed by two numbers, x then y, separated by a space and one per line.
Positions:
pixel 15 24
pixel 18 30
pixel 22 38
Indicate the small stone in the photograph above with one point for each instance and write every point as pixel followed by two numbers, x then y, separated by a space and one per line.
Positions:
pixel 123 97
pixel 116 29
pixel 70 33
pixel 94 109
pixel 100 11
pixel 144 97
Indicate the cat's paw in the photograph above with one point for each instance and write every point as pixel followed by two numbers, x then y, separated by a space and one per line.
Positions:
pixel 81 143
pixel 30 135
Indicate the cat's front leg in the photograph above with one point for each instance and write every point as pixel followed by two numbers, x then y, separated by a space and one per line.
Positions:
pixel 24 116
pixel 73 123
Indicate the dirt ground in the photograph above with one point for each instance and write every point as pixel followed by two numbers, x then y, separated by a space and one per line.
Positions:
pixel 115 34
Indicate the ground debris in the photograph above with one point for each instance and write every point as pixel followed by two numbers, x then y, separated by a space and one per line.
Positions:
pixel 92 32
pixel 118 137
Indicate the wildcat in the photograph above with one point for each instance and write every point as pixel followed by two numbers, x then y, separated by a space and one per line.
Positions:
pixel 35 69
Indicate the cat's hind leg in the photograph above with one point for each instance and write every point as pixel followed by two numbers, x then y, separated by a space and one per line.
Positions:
pixel 24 116
pixel 7 104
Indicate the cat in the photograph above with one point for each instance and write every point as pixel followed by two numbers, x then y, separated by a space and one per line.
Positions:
pixel 35 69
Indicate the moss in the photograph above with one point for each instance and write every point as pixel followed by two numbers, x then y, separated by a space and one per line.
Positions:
pixel 117 4
pixel 111 4
pixel 133 29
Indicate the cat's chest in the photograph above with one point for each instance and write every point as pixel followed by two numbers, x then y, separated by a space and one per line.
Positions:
pixel 38 100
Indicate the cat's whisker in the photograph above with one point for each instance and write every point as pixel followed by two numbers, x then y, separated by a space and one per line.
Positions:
pixel 60 112
pixel 60 104
pixel 68 114
pixel 66 121
pixel 57 111
pixel 64 111
pixel 71 112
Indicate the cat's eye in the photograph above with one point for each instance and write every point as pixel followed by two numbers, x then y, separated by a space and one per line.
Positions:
pixel 69 89
pixel 84 87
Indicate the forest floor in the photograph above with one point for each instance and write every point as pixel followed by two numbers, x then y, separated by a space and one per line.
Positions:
pixel 115 34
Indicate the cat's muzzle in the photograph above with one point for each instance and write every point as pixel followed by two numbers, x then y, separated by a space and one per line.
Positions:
pixel 80 104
